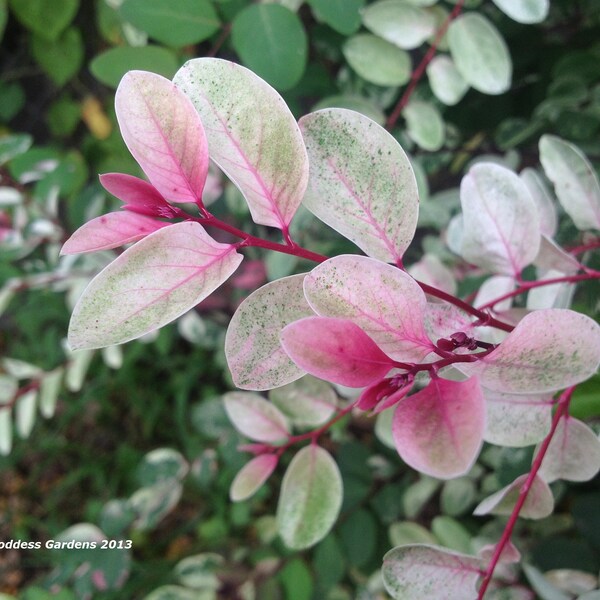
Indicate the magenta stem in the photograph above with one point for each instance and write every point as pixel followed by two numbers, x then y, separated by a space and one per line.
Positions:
pixel 561 410
pixel 420 70
pixel 529 285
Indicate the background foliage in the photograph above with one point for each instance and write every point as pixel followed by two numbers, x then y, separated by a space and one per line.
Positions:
pixel 138 443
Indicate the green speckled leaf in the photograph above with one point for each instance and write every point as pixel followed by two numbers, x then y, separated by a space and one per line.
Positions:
pixel 254 353
pixel 151 284
pixel 548 350
pixel 480 53
pixel 361 182
pixel 420 571
pixel 251 135
pixel 311 498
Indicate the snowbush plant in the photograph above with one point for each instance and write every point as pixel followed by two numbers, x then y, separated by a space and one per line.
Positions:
pixel 454 372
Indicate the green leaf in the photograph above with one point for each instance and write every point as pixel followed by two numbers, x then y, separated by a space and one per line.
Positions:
pixel 311 497
pixel 451 534
pixel 63 116
pixel 3 17
pixel 14 145
pixel 270 40
pixel 62 58
pixel 480 53
pixel 297 580
pixel 355 103
pixel 408 532
pixel 457 496
pixel 446 82
pixel 161 465
pixel 172 23
pixel 399 23
pixel 376 60
pixel 425 125
pixel 358 534
pixel 341 15
pixel 45 18
pixel 199 571
pixel 13 100
pixel 110 66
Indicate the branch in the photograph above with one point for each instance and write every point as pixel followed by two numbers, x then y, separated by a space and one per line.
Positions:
pixel 561 411
pixel 420 70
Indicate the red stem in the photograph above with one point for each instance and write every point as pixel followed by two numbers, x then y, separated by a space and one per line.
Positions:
pixel 418 72
pixel 528 285
pixel 585 247
pixel 33 385
pixel 561 411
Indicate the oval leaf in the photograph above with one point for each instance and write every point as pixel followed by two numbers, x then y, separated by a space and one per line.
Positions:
pixel 538 505
pixel 151 284
pixel 336 350
pixel 399 23
pixel 575 181
pixel 517 420
pixel 254 353
pixel 439 430
pixel 548 350
pixel 164 134
pixel 446 82
pixel 480 53
pixel 271 40
pixel 376 60
pixel 524 11
pixel 386 303
pixel 573 454
pixel 361 182
pixel 424 125
pixel 264 157
pixel 308 402
pixel 109 231
pixel 256 418
pixel 252 476
pixel 311 498
pixel 501 224
pixel 423 572
pixel 188 22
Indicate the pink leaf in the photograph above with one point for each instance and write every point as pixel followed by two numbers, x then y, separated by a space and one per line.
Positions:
pixel 252 135
pixel 509 554
pixel 548 350
pixel 573 453
pixel 361 182
pixel 336 350
pixel 256 418
pixel 432 271
pixel 164 133
pixel 252 476
pixel 137 195
pixel 421 571
pixel 109 231
pixel 386 303
pixel 439 430
pixel 442 320
pixel 539 502
pixel 151 284
pixel 501 224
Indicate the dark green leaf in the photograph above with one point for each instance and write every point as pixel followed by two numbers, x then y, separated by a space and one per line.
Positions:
pixel 341 15
pixel 359 537
pixel 63 116
pixel 61 59
pixel 329 564
pixel 111 65
pixel 297 580
pixel 3 17
pixel 13 100
pixel 44 17
pixel 271 41
pixel 173 23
